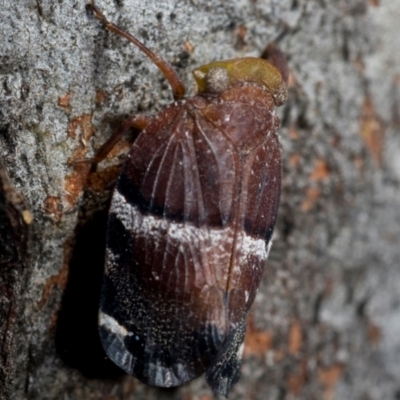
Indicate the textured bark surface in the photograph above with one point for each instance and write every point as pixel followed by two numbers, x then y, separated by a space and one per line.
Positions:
pixel 326 321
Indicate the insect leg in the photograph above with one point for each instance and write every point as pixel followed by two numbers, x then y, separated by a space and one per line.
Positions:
pixel 137 121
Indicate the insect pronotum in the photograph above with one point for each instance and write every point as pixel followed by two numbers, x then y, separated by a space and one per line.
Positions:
pixel 190 223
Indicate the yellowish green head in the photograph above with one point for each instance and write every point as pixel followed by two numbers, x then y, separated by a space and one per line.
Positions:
pixel 218 76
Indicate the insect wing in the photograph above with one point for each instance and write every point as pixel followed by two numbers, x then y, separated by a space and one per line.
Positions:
pixel 191 214
pixel 164 309
pixel 246 116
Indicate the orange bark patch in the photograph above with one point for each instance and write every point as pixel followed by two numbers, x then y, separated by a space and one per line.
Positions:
pixel 75 183
pixel 80 128
pixel 294 160
pixel 101 95
pixel 374 333
pixel 328 377
pixel 312 196
pixel 295 337
pixel 293 133
pixel 63 101
pixel 372 130
pixel 53 207
pixel 375 3
pixel 321 171
pixel 257 342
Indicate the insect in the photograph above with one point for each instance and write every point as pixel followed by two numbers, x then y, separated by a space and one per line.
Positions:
pixel 190 223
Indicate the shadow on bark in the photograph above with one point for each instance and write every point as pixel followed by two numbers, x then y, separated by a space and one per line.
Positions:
pixel 77 339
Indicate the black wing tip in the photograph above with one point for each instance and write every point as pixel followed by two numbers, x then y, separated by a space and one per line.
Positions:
pixel 223 377
pixel 127 351
pixel 225 371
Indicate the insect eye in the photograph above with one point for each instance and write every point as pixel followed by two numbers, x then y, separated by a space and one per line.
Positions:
pixel 217 80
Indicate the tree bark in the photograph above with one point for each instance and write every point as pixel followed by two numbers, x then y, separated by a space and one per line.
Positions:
pixel 325 323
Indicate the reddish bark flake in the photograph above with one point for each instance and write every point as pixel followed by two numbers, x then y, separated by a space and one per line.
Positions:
pixel 321 171
pixel 312 195
pixel 295 337
pixel 372 130
pixel 63 101
pixel 257 342
pixel 328 377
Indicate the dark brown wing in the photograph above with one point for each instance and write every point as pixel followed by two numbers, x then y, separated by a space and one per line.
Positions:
pixel 186 241
pixel 163 307
pixel 247 118
pixel 251 125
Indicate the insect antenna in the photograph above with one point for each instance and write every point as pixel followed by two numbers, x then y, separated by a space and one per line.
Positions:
pixel 178 90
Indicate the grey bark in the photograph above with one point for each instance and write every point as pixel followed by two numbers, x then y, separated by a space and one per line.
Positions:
pixel 326 321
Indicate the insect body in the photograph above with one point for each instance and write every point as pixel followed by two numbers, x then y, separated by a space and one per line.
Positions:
pixel 190 225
